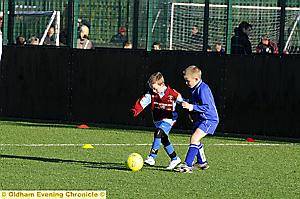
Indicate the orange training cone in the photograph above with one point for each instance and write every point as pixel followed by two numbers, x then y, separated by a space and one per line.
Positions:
pixel 83 126
pixel 250 140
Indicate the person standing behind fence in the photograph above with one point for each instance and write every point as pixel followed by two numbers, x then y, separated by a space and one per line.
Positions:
pixel 266 46
pixel 20 41
pixel 156 46
pixel 127 45
pixel 50 38
pixel 34 40
pixel 120 37
pixel 240 43
pixel 195 40
pixel 219 49
pixel 83 41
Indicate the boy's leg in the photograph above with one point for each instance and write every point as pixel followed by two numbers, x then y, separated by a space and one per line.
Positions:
pixel 209 128
pixel 201 159
pixel 156 143
pixel 168 147
pixel 150 160
pixel 195 144
pixel 175 160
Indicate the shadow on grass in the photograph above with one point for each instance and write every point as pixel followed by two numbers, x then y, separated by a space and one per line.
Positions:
pixel 93 165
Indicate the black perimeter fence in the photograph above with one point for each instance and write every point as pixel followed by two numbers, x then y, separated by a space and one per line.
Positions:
pixel 254 94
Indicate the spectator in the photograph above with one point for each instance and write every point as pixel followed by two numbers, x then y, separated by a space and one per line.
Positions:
pixel 20 41
pixel 83 41
pixel 34 40
pixel 266 46
pixel 195 38
pixel 82 22
pixel 63 38
pixel 121 37
pixel 156 46
pixel 50 38
pixel 127 45
pixel 208 49
pixel 240 43
pixel 219 49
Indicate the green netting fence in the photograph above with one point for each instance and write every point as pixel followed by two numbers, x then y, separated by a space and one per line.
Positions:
pixel 148 21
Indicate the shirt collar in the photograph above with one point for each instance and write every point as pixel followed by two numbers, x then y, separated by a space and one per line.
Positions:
pixel 196 86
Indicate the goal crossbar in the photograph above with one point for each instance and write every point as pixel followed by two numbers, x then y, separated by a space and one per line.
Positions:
pixel 236 6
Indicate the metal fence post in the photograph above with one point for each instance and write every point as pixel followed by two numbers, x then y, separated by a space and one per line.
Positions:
pixel 149 24
pixel 5 22
pixel 205 25
pixel 135 27
pixel 282 4
pixel 75 22
pixel 10 22
pixel 72 23
pixel 229 26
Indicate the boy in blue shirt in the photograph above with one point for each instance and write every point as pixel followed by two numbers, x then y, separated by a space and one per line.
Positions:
pixel 204 115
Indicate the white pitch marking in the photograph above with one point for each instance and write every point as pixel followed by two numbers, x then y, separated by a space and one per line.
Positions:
pixel 123 144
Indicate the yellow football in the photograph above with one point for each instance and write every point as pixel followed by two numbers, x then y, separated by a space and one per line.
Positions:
pixel 135 161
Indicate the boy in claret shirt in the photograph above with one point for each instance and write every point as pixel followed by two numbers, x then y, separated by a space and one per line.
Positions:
pixel 163 101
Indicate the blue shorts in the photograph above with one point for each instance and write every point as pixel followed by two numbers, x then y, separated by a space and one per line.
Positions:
pixel 206 126
pixel 163 125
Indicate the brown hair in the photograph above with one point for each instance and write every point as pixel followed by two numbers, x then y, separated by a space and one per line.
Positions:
pixel 157 78
pixel 192 71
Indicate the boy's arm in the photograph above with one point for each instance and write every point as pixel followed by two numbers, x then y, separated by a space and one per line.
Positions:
pixel 206 98
pixel 179 99
pixel 141 104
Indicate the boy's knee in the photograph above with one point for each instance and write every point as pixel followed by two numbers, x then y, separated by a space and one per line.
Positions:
pixel 159 133
pixel 195 141
pixel 165 140
pixel 197 136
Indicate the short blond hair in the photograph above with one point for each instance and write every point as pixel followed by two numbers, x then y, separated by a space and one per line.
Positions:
pixel 156 78
pixel 192 71
pixel 84 30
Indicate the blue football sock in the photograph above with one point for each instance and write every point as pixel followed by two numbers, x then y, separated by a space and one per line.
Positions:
pixel 201 159
pixel 155 147
pixel 171 152
pixel 191 154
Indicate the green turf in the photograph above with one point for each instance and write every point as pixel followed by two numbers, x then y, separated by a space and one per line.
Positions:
pixel 235 171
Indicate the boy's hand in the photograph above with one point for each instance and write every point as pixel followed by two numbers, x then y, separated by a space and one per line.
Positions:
pixel 134 112
pixel 187 106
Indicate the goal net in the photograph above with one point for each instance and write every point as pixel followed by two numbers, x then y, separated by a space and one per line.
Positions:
pixel 37 23
pixel 292 31
pixel 265 20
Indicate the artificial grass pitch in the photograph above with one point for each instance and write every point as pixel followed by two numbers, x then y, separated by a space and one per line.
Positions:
pixel 51 157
